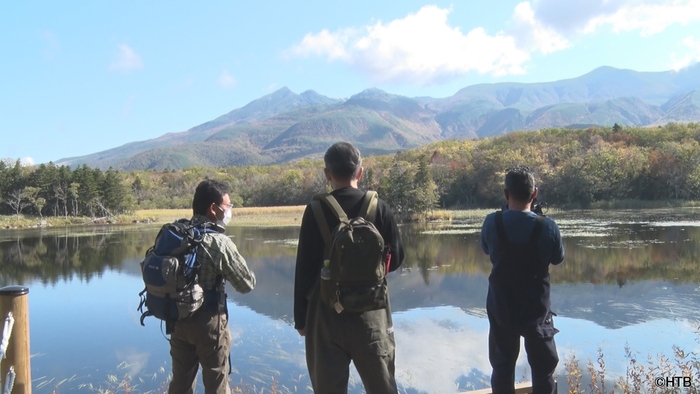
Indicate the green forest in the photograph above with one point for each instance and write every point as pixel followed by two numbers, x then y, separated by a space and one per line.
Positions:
pixel 575 168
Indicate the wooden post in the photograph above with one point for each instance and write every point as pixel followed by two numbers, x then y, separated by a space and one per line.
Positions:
pixel 14 299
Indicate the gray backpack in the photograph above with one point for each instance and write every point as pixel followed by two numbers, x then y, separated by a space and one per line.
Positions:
pixel 169 271
pixel 356 261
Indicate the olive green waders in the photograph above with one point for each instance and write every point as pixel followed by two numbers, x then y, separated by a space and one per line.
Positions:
pixel 204 339
pixel 333 340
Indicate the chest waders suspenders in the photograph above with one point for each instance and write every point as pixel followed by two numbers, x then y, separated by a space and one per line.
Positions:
pixel 519 277
pixel 528 252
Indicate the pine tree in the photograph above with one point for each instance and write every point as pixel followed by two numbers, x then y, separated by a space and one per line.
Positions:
pixel 424 192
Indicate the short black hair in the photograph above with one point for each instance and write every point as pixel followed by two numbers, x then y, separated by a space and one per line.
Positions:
pixel 208 191
pixel 343 160
pixel 520 183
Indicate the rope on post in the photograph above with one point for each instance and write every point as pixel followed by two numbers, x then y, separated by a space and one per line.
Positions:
pixel 9 381
pixel 15 370
pixel 6 332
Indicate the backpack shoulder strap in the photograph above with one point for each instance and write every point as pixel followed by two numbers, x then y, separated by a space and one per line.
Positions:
pixel 369 206
pixel 332 203
pixel 534 236
pixel 207 227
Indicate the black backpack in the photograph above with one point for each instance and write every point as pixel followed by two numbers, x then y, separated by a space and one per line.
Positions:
pixel 170 270
pixel 356 261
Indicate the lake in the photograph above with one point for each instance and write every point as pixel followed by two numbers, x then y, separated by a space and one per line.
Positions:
pixel 630 278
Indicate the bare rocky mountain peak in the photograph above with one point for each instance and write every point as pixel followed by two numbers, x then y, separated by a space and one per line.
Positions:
pixel 283 125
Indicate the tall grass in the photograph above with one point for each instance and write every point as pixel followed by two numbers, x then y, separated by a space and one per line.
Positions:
pixel 268 216
pixel 640 376
pixel 253 216
pixel 247 216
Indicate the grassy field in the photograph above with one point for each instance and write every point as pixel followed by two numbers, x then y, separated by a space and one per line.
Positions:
pixel 258 216
pixel 252 216
pixel 291 215
pixel 247 217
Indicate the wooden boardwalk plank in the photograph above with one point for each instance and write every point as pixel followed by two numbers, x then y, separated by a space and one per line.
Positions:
pixel 520 388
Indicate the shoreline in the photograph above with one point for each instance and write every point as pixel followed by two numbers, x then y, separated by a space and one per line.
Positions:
pixel 243 217
pixel 285 216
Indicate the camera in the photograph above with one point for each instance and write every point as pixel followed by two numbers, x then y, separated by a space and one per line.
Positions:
pixel 538 207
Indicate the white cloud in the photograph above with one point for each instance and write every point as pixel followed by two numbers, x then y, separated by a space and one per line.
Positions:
pixel 691 55
pixel 325 43
pixel 27 161
pixel 648 19
pixel 126 60
pixel 531 33
pixel 571 17
pixel 432 355
pixel 421 48
pixel 227 80
pixel 424 48
pixel 646 16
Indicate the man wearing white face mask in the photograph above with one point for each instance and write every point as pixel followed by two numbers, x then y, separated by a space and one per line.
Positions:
pixel 204 339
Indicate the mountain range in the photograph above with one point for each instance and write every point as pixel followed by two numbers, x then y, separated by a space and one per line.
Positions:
pixel 285 126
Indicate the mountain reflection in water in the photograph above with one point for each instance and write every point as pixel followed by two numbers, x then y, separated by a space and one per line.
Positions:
pixel 627 277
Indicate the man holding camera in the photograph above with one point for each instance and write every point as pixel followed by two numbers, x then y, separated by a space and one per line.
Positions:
pixel 521 245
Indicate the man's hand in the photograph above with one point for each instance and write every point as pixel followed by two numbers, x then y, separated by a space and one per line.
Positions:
pixel 302 331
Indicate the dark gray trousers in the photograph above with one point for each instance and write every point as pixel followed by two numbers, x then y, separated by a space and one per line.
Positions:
pixel 504 347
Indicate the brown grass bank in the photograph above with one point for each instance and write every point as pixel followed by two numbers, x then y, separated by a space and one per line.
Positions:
pixel 253 216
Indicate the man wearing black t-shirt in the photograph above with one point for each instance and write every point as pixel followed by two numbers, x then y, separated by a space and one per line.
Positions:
pixel 334 339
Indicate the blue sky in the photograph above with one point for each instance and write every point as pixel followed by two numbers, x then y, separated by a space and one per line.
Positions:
pixel 81 77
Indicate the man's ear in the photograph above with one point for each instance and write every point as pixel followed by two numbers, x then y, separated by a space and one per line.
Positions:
pixel 327 173
pixel 534 194
pixel 505 194
pixel 359 173
pixel 211 212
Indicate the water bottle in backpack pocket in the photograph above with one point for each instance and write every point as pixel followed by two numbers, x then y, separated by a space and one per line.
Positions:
pixel 169 295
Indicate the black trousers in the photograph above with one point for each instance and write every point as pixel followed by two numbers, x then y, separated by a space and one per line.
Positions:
pixel 504 347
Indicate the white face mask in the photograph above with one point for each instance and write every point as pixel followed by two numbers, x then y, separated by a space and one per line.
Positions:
pixel 227 218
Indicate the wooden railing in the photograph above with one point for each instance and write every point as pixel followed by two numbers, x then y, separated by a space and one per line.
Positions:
pixel 520 388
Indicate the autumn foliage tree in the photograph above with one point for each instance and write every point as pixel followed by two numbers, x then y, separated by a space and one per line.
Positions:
pixel 574 168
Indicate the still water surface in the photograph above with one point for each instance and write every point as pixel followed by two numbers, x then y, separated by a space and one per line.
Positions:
pixel 629 278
